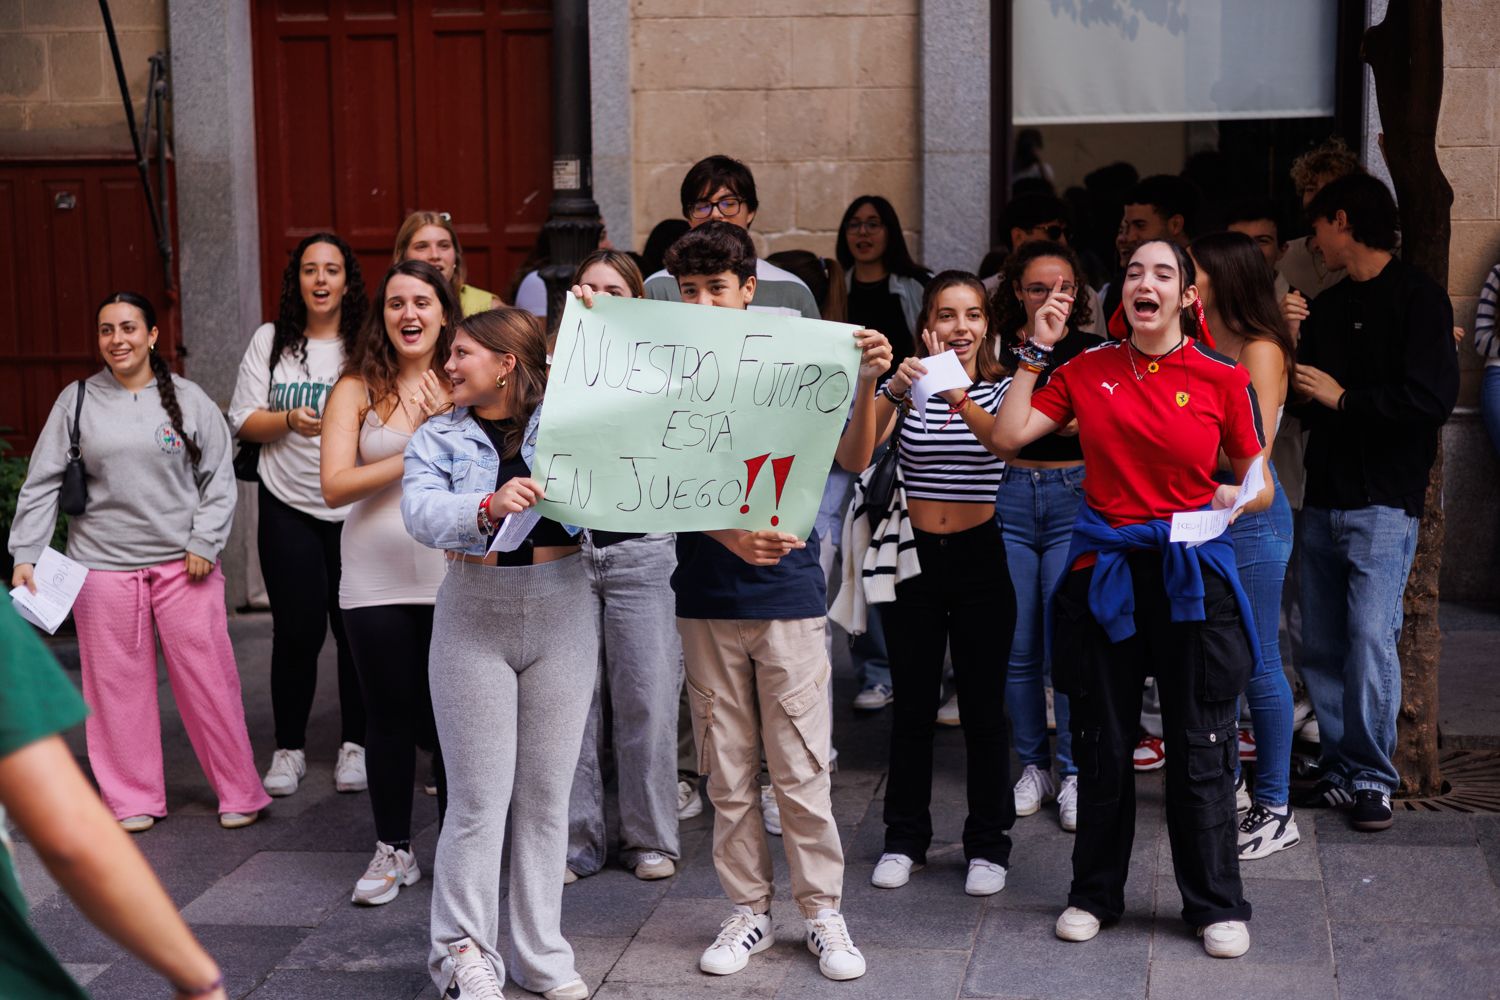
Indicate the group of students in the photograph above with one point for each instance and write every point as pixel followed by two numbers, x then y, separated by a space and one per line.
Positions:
pixel 1017 524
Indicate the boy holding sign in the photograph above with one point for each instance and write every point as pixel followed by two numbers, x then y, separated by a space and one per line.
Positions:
pixel 750 609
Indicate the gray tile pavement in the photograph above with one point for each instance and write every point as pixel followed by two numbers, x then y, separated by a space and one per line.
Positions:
pixel 1410 912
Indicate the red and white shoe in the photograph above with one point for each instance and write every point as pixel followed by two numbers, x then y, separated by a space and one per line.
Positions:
pixel 1150 754
pixel 1247 746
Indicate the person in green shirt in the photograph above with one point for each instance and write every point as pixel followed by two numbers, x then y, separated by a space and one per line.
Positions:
pixel 77 839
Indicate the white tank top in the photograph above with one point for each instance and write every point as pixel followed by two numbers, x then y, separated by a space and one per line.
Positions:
pixel 382 563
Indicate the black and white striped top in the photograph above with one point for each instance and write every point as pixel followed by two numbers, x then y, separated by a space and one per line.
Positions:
pixel 941 459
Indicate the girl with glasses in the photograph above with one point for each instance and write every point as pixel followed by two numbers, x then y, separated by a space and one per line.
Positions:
pixel 884 283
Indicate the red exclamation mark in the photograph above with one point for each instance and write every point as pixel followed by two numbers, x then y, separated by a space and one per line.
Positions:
pixel 780 469
pixel 752 469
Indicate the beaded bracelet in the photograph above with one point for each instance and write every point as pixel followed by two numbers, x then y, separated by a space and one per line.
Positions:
pixel 1032 356
pixel 885 390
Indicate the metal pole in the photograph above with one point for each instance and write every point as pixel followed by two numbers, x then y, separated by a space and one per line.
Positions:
pixel 573 226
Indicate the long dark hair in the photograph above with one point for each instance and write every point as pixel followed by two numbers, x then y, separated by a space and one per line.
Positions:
pixel 986 365
pixel 1243 290
pixel 897 258
pixel 166 390
pixel 291 317
pixel 509 330
pixel 374 357
pixel 1010 311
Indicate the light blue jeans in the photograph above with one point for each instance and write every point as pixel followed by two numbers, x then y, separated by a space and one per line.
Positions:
pixel 1262 546
pixel 1036 509
pixel 1354 569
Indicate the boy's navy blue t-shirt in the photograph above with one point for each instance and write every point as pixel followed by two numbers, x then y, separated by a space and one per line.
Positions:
pixel 712 582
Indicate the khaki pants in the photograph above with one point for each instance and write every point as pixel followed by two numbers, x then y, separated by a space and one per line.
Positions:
pixel 765 682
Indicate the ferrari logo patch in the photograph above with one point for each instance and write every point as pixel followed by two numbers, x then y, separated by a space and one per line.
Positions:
pixel 1182 399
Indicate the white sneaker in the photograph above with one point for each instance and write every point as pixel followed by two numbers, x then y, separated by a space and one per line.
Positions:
pixel 288 768
pixel 1067 804
pixel 575 990
pixel 742 935
pixel 948 714
pixel 653 865
pixel 689 802
pixel 137 824
pixel 770 811
pixel 1302 710
pixel 1310 731
pixel 387 872
pixel 893 871
pixel 349 772
pixel 1225 939
pixel 473 976
pixel 1263 832
pixel 1241 794
pixel 237 821
pixel 874 698
pixel 1034 788
pixel 1076 925
pixel 828 938
pixel 985 878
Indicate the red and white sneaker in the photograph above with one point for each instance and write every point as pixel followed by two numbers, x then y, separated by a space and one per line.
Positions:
pixel 1150 754
pixel 1247 746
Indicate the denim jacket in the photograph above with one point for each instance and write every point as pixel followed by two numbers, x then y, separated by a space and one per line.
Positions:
pixel 450 463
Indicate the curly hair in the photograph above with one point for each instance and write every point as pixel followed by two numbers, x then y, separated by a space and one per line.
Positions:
pixel 1333 159
pixel 166 389
pixel 712 248
pixel 291 316
pixel 374 359
pixel 513 331
pixel 986 364
pixel 1010 311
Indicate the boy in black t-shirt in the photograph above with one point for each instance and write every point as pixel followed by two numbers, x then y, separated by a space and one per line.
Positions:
pixel 751 611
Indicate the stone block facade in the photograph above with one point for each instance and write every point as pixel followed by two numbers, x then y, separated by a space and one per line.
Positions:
pixel 819 97
pixel 58 92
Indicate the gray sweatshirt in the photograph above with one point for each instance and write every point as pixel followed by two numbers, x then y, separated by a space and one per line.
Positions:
pixel 146 507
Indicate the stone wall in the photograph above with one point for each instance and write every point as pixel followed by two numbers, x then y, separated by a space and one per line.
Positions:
pixel 1469 150
pixel 819 97
pixel 58 92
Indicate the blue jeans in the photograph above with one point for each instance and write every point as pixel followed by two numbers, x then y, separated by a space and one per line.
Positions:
pixel 1036 508
pixel 1489 403
pixel 1262 545
pixel 1354 569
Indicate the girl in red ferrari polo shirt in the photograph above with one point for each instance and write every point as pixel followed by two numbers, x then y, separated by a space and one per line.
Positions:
pixel 1153 410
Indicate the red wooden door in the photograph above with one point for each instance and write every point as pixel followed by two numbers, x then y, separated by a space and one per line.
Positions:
pixel 71 232
pixel 369 109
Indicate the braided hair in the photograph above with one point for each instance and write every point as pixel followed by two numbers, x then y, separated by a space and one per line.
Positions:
pixel 291 317
pixel 166 389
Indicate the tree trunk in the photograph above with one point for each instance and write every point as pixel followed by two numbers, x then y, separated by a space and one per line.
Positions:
pixel 1405 51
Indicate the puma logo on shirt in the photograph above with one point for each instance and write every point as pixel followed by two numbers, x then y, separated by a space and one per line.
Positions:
pixel 1111 388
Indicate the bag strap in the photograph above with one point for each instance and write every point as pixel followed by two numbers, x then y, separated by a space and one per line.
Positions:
pixel 73 451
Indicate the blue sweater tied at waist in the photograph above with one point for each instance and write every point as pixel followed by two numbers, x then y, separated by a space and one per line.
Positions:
pixel 1112 590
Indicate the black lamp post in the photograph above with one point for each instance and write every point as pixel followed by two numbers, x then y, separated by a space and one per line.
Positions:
pixel 573 224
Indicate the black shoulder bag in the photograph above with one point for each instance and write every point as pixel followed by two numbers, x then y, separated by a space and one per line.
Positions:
pixel 74 496
pixel 882 483
pixel 247 455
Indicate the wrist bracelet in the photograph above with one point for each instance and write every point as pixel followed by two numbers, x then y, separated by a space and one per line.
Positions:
pixel 1342 397
pixel 896 400
pixel 486 526
pixel 1040 346
pixel 201 991
pixel 289 420
pixel 1032 355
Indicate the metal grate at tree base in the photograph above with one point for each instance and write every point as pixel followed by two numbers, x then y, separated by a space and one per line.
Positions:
pixel 1471 784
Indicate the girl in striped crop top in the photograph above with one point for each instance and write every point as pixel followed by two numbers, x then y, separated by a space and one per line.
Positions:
pixel 962 600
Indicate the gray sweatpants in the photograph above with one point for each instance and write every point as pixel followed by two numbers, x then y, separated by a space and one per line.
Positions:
pixel 642 671
pixel 514 656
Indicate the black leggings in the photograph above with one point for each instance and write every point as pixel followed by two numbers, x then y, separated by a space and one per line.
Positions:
pixel 390 651
pixel 962 602
pixel 299 558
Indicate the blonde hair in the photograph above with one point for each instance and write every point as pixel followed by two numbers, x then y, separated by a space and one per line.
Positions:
pixel 618 261
pixel 513 331
pixel 408 232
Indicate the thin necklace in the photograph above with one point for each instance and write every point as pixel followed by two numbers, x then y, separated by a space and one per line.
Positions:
pixel 1154 362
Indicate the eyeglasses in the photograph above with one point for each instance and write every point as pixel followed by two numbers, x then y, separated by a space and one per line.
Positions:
pixel 865 225
pixel 728 208
pixel 1053 233
pixel 1042 291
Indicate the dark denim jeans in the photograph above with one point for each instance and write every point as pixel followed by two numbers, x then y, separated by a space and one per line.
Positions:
pixel 1262 545
pixel 1036 508
pixel 1354 569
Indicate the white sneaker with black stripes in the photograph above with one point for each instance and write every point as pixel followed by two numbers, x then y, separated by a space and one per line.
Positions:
pixel 741 936
pixel 828 938
pixel 1263 832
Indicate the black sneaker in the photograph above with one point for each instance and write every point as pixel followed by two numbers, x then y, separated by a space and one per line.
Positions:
pixel 1324 795
pixel 1372 811
pixel 1263 832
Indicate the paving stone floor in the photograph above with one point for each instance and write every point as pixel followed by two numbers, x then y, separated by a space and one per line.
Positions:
pixel 1411 912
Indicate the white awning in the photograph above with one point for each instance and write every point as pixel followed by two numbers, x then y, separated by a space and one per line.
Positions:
pixel 1085 61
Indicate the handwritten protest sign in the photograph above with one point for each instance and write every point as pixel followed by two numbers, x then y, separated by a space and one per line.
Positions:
pixel 661 416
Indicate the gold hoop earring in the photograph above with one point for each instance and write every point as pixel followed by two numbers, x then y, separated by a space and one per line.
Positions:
pixel 499 381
